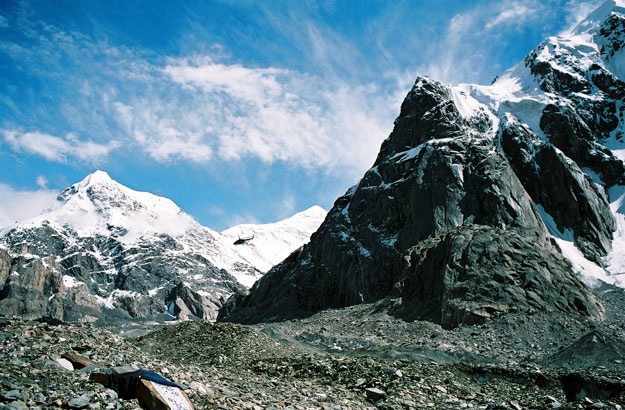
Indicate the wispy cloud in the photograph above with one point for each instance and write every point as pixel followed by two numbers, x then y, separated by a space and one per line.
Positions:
pixel 20 204
pixel 42 182
pixel 514 13
pixel 58 149
pixel 287 206
pixel 201 108
pixel 481 33
pixel 204 110
pixel 577 10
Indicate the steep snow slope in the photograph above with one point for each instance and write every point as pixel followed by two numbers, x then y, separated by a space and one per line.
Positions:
pixel 265 245
pixel 584 56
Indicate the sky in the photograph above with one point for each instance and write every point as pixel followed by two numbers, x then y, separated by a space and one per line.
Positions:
pixel 239 111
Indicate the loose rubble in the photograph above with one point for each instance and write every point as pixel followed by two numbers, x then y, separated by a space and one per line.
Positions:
pixel 355 358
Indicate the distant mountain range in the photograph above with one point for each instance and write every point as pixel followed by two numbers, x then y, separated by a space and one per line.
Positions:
pixel 483 200
pixel 105 251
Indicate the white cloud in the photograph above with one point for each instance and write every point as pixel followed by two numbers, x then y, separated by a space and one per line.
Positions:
pixel 42 182
pixel 476 36
pixel 58 149
pixel 18 205
pixel 246 83
pixel 168 143
pixel 513 13
pixel 4 22
pixel 215 111
pixel 578 10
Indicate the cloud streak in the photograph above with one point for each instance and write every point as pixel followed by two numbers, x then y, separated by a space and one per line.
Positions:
pixel 514 13
pixel 58 149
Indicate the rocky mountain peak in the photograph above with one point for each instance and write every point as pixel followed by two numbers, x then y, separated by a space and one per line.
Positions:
pixel 475 195
pixel 104 251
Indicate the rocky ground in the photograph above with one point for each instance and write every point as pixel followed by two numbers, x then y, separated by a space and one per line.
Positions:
pixel 356 358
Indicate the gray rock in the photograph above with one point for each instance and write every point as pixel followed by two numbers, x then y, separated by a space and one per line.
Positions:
pixel 80 402
pixel 17 405
pixel 552 180
pixel 374 394
pixel 38 288
pixel 13 395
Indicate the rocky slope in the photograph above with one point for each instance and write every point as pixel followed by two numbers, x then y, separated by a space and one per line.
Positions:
pixel 106 252
pixel 483 200
pixel 354 358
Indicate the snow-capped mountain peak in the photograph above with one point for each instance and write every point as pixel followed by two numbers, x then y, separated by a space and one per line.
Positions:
pixel 111 248
pixel 581 70
pixel 98 204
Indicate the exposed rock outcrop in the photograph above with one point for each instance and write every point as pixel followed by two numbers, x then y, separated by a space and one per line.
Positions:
pixel 557 184
pixel 183 302
pixel 98 278
pixel 441 220
pixel 462 212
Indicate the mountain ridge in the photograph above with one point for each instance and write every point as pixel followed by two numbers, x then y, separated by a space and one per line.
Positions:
pixel 121 253
pixel 470 176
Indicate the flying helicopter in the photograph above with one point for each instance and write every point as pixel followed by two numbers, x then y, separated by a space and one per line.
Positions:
pixel 241 241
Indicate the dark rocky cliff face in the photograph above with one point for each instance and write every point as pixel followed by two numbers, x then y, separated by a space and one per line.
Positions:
pixel 442 221
pixel 457 214
pixel 97 278
pixel 563 190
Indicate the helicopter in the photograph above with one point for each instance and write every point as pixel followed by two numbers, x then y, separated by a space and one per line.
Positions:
pixel 241 241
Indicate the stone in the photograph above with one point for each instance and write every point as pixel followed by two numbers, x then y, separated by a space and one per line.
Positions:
pixel 80 402
pixel 443 221
pixel 374 394
pixel 13 395
pixel 17 405
pixel 66 364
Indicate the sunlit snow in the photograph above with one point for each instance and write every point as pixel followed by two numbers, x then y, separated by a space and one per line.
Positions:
pixel 272 243
pixel 70 281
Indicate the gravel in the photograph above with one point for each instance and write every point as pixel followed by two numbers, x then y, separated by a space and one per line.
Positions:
pixel 356 358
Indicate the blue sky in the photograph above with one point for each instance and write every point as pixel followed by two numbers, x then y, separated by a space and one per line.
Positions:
pixel 239 111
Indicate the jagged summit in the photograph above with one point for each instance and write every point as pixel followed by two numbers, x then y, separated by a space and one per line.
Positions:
pixel 483 199
pixel 581 66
